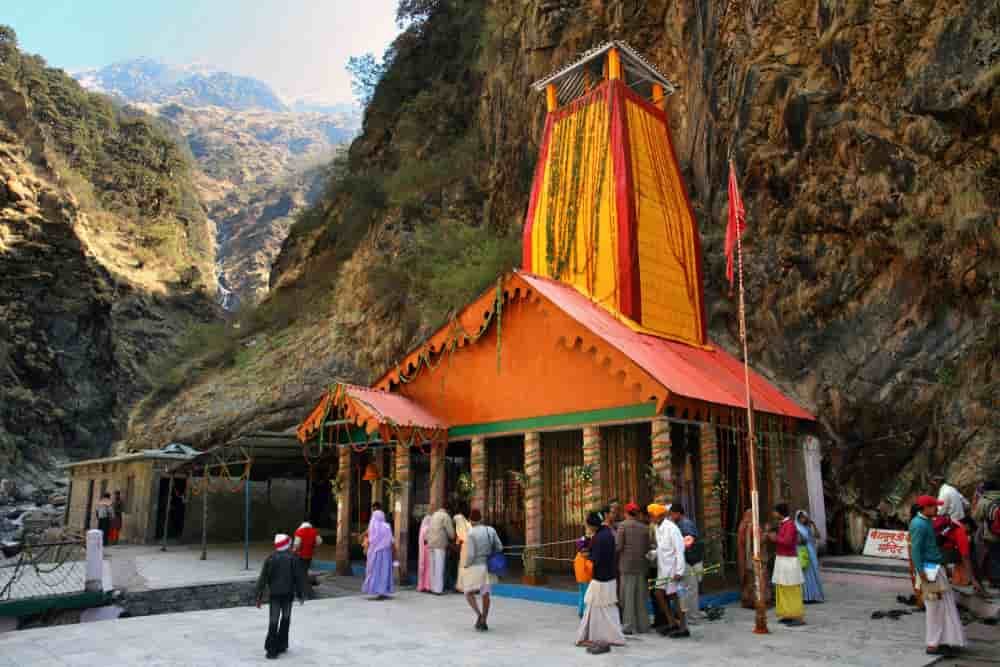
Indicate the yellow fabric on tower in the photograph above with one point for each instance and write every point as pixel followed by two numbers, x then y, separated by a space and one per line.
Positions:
pixel 573 237
pixel 668 262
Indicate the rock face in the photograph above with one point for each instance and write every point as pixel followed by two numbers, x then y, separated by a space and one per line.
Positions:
pixel 870 174
pixel 100 273
pixel 259 169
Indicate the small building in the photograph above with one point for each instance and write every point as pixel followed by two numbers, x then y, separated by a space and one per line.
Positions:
pixel 588 374
pixel 142 479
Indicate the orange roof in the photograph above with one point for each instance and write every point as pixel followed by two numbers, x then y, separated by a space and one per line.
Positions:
pixel 708 374
pixel 711 375
pixel 369 408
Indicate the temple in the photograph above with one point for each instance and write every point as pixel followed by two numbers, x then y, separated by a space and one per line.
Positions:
pixel 585 376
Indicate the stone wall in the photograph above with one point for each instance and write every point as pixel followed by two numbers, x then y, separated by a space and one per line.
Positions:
pixel 189 598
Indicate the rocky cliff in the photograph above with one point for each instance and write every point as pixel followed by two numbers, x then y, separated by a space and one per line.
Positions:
pixel 865 134
pixel 257 171
pixel 105 257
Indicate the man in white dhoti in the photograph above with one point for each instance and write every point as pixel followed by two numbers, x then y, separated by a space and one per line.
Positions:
pixel 945 634
pixel 439 536
pixel 670 568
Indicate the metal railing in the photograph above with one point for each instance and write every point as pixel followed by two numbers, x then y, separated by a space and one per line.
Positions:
pixel 42 569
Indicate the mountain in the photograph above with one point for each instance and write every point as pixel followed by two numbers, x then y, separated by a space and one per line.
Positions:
pixel 257 157
pixel 147 80
pixel 107 259
pixel 871 179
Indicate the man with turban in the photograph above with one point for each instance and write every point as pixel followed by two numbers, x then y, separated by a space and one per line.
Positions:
pixel 282 576
pixel 670 568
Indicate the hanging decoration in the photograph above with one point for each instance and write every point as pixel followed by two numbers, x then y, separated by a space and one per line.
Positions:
pixel 465 486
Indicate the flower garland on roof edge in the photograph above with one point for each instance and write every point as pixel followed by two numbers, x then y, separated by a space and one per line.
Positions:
pixel 458 333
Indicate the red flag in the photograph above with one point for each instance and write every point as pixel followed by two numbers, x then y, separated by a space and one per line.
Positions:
pixel 737 222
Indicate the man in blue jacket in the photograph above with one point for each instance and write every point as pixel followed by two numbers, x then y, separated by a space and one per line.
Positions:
pixel 945 634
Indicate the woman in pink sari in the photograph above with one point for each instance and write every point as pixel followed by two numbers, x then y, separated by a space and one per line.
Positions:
pixel 424 557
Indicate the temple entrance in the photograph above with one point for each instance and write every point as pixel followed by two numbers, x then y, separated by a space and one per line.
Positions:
pixel 178 508
pixel 564 500
pixel 457 469
pixel 504 496
pixel 685 458
pixel 626 453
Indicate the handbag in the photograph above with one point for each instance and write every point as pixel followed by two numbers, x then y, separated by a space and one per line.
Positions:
pixel 583 568
pixel 496 563
pixel 804 557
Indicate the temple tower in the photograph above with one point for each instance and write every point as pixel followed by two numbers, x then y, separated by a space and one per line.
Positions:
pixel 609 213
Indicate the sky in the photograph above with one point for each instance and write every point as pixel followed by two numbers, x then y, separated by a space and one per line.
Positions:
pixel 299 47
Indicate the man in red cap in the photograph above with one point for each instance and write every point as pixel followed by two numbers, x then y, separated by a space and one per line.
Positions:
pixel 944 626
pixel 631 545
pixel 282 575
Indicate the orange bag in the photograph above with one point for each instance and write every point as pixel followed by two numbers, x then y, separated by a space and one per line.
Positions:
pixel 583 568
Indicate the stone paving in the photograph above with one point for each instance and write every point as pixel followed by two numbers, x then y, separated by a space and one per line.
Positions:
pixel 419 629
pixel 140 568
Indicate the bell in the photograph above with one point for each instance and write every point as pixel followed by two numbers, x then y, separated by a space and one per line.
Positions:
pixel 371 473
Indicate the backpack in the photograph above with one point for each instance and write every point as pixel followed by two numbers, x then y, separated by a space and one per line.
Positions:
pixel 993 518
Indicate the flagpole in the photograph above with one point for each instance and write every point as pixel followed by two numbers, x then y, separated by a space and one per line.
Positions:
pixel 760 622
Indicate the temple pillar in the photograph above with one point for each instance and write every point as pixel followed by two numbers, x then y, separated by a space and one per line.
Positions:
pixel 661 446
pixel 711 527
pixel 533 490
pixel 478 500
pixel 593 493
pixel 343 549
pixel 437 495
pixel 401 509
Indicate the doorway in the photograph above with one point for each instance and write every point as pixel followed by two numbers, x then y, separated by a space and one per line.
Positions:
pixel 504 495
pixel 178 508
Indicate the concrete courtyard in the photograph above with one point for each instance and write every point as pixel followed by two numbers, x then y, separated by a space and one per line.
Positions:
pixel 419 629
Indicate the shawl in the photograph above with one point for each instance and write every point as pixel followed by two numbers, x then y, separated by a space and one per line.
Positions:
pixel 379 533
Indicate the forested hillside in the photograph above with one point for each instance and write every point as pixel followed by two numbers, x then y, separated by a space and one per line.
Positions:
pixel 105 258
pixel 871 178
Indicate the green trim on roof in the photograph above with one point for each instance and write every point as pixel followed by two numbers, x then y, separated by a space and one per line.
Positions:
pixel 587 417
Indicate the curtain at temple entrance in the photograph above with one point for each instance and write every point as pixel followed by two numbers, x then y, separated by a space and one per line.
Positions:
pixel 626 453
pixel 504 496
pixel 564 499
pixel 457 460
pixel 685 459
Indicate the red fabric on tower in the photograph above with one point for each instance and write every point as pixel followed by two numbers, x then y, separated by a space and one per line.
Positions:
pixel 737 222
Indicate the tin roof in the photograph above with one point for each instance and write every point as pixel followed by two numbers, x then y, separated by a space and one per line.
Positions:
pixel 707 374
pixel 639 72
pixel 370 408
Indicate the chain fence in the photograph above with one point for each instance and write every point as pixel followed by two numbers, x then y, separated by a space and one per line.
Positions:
pixel 42 569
